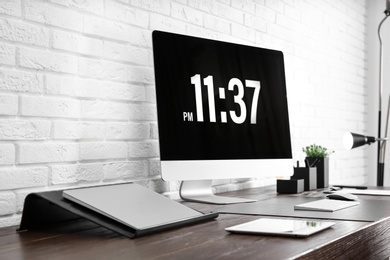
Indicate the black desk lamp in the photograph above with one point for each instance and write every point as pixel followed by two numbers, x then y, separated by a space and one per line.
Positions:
pixel 381 143
pixel 355 140
pixel 352 140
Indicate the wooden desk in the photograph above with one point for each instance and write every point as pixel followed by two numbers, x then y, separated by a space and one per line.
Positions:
pixel 85 240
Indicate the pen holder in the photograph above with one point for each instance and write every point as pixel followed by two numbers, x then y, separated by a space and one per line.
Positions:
pixel 322 165
pixel 308 174
pixel 289 186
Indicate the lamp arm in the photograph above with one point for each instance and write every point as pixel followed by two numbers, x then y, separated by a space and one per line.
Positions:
pixel 381 144
pixel 381 61
pixel 382 148
pixel 383 141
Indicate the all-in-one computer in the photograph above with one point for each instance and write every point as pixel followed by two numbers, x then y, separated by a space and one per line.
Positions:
pixel 222 113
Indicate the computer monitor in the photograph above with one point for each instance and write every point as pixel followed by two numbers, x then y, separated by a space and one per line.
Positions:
pixel 222 113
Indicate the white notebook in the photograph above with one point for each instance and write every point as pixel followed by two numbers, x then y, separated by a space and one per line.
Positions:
pixel 281 227
pixel 132 205
pixel 367 192
pixel 326 205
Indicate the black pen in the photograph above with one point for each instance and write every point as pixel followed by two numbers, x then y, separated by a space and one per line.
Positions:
pixel 307 163
pixel 351 187
pixel 313 164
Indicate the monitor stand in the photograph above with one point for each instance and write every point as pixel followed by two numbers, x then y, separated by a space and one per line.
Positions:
pixel 200 191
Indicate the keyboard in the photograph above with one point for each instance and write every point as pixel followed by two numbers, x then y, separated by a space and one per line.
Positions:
pixel 326 205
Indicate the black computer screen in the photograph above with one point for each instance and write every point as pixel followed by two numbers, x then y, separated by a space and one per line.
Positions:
pixel 219 100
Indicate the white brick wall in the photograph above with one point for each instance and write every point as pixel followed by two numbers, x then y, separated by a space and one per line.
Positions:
pixel 77 102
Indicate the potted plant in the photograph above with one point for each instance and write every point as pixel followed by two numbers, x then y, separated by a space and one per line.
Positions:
pixel 318 156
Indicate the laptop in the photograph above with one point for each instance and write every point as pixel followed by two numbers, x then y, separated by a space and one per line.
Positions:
pixel 132 205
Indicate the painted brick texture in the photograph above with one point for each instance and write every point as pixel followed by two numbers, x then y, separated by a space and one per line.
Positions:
pixel 77 102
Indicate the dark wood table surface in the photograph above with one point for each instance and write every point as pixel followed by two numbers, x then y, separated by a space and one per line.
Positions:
pixel 85 240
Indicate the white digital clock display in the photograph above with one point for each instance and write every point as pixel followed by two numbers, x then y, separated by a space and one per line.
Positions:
pixel 237 117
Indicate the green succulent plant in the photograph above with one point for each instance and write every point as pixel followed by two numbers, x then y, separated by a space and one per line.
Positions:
pixel 316 151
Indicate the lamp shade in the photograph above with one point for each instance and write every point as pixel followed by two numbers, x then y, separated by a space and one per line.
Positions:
pixel 352 140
